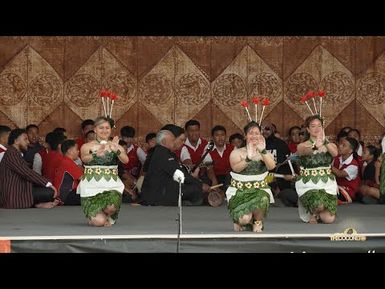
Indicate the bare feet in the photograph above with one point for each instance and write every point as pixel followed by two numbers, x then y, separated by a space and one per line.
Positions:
pixel 237 228
pixel 99 220
pixel 257 226
pixel 58 202
pixel 47 205
pixel 107 224
pixel 245 219
pixel 110 222
pixel 313 219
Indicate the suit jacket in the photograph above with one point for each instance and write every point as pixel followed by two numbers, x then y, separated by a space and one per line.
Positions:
pixel 159 188
pixel 16 179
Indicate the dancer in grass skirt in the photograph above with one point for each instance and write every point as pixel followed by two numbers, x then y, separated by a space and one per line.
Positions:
pixel 316 185
pixel 100 187
pixel 249 195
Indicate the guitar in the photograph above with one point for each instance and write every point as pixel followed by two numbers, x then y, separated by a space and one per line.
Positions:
pixel 200 163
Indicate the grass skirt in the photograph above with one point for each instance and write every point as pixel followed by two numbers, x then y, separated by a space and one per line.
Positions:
pixel 96 204
pixel 312 199
pixel 246 201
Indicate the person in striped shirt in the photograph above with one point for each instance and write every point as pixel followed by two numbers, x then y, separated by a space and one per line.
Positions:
pixel 20 186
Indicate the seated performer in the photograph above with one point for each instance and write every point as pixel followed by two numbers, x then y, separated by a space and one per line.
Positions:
pixel 150 143
pixel 370 185
pixel 236 140
pixel 17 179
pixel 249 195
pixel 346 169
pixel 42 155
pixel 294 138
pixel 133 167
pixel 162 168
pixel 194 145
pixel 100 187
pixel 68 174
pixel 53 158
pixel 90 136
pixel 219 158
pixel 34 145
pixel 87 125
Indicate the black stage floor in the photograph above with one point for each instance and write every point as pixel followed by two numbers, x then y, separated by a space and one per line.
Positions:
pixel 205 229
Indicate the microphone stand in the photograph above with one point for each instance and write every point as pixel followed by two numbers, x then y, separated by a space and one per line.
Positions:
pixel 179 220
pixel 288 159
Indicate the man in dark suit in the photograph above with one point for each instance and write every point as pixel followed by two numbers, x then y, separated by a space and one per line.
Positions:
pixel 160 185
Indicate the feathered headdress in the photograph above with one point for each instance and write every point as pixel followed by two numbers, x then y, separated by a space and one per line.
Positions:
pixel 108 100
pixel 256 100
pixel 312 95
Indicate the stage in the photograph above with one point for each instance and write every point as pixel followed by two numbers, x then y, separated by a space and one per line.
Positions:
pixel 205 230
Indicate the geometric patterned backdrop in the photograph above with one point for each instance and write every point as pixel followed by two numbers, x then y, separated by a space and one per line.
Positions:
pixel 55 81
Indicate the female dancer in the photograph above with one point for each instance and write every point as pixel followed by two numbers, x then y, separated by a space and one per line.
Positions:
pixel 316 185
pixel 249 195
pixel 100 188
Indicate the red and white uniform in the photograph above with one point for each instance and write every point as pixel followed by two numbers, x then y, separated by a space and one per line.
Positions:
pixel 351 182
pixel 133 166
pixel 221 159
pixel 193 153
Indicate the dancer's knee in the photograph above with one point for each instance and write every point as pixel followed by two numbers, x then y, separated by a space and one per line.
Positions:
pixel 245 219
pixel 327 217
pixel 109 210
pixel 98 220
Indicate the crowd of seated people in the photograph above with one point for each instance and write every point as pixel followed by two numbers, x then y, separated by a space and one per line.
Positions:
pixel 53 162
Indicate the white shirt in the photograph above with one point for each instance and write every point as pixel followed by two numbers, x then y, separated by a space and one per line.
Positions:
pixel 383 145
pixel 2 153
pixel 130 148
pixel 359 150
pixel 78 162
pixel 37 163
pixel 184 154
pixel 137 153
pixel 208 158
pixel 142 155
pixel 352 170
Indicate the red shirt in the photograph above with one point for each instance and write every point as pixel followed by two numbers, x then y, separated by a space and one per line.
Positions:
pixel 133 166
pixel 67 165
pixel 292 147
pixel 360 165
pixel 222 163
pixel 80 141
pixel 352 185
pixel 197 154
pixel 51 162
pixel 44 161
